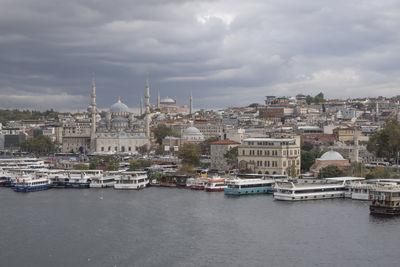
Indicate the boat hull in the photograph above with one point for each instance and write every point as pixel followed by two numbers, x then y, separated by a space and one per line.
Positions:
pixel 18 188
pixel 214 189
pixel 384 210
pixel 309 196
pixel 129 186
pixel 247 191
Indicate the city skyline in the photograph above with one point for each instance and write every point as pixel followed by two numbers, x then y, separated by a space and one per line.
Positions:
pixel 227 53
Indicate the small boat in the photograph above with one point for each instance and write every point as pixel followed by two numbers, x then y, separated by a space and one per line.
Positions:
pixel 132 180
pixel 28 183
pixel 249 187
pixel 215 184
pixel 196 183
pixel 385 200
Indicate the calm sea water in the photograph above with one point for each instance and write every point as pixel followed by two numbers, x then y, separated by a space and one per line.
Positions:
pixel 178 227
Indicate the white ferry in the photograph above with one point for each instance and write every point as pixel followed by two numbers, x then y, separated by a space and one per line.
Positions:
pixel 196 183
pixel 77 179
pixel 359 191
pixel 293 192
pixel 249 186
pixel 5 178
pixel 132 180
pixel 28 183
pixel 215 184
pixel 107 180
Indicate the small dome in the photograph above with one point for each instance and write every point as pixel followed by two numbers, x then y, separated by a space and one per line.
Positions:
pixel 191 130
pixel 119 107
pixel 331 155
pixel 167 100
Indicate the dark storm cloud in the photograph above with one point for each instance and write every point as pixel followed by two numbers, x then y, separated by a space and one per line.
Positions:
pixel 225 52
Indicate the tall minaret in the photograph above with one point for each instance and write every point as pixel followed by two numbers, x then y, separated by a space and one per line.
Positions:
pixel 93 130
pixel 147 119
pixel 191 104
pixel 158 99
pixel 141 106
pixel 356 148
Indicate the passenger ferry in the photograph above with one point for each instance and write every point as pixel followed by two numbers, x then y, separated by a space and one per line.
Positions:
pixel 215 184
pixel 28 183
pixel 196 183
pixel 385 200
pixel 5 178
pixel 107 180
pixel 77 179
pixel 307 191
pixel 132 180
pixel 359 191
pixel 249 186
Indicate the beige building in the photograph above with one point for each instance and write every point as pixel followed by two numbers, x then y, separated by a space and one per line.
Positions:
pixel 218 150
pixel 120 143
pixel 330 158
pixel 270 155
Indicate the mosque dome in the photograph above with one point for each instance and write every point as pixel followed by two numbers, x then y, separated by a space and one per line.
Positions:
pixel 167 101
pixel 191 130
pixel 331 155
pixel 119 107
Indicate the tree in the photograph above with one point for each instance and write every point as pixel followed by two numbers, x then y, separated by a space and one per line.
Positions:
pixel 139 164
pixel 161 131
pixel 160 150
pixel 291 171
pixel 386 142
pixel 307 146
pixel 81 166
pixel 307 160
pixel 190 154
pixel 41 145
pixel 206 145
pixel 379 172
pixel 329 171
pixel 109 162
pixel 309 100
pixel 357 169
pixel 187 168
pixel 143 149
pixel 231 156
pixel 319 99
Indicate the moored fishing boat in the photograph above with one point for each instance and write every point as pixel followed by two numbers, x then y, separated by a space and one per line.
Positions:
pixel 385 200
pixel 132 180
pixel 249 186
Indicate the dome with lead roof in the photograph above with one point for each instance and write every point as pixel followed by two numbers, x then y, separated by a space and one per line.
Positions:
pixel 331 155
pixel 119 107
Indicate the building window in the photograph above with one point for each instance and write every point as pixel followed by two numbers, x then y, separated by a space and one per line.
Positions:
pixel 102 148
pixel 109 148
pixel 129 148
pixel 115 148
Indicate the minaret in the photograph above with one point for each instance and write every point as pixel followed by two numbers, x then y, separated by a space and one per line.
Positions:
pixel 93 130
pixel 147 119
pixel 356 148
pixel 141 106
pixel 158 99
pixel 191 104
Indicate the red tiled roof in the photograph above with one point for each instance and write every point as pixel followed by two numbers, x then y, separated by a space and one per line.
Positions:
pixel 225 142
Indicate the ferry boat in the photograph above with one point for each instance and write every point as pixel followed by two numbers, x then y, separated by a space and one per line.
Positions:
pixel 215 184
pixel 77 179
pixel 359 191
pixel 385 200
pixel 5 178
pixel 60 179
pixel 249 186
pixel 306 191
pixel 132 180
pixel 107 180
pixel 196 183
pixel 28 183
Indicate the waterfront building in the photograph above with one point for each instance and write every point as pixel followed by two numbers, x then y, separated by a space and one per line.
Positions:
pixel 270 155
pixel 217 151
pixel 330 158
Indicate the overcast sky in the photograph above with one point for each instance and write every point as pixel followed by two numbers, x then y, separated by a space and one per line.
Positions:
pixel 227 53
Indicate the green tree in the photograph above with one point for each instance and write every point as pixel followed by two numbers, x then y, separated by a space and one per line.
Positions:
pixel 187 168
pixel 291 171
pixel 307 160
pixel 329 171
pixel 319 99
pixel 81 166
pixel 40 145
pixel 386 142
pixel 206 145
pixel 190 154
pixel 108 162
pixel 161 131
pixel 379 172
pixel 139 164
pixel 160 150
pixel 307 146
pixel 143 149
pixel 357 169
pixel 231 156
pixel 309 100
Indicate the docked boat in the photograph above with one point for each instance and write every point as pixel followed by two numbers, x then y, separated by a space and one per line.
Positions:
pixel 196 183
pixel 28 183
pixel 215 184
pixel 385 200
pixel 77 179
pixel 359 191
pixel 5 178
pixel 249 186
pixel 305 191
pixel 107 180
pixel 132 180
